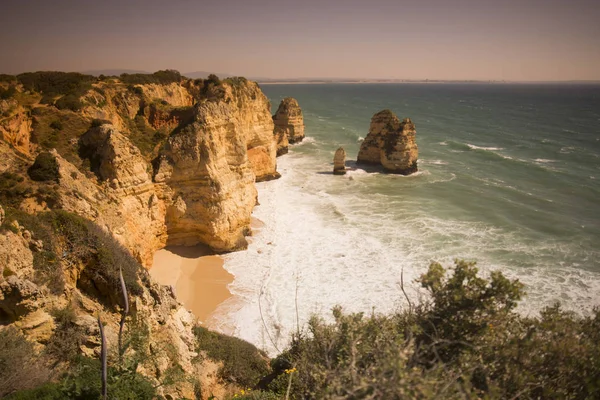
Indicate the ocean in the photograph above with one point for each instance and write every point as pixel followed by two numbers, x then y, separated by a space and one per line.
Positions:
pixel 509 177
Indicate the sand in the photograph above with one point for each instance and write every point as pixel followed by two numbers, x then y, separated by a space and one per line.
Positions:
pixel 199 279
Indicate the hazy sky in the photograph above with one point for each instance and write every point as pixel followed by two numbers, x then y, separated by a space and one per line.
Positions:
pixel 434 39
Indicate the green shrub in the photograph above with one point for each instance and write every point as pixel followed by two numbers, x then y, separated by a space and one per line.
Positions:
pixel 48 391
pixel 7 93
pixel 44 168
pixel 13 188
pixel 466 342
pixel 69 102
pixel 7 78
pixel 162 77
pixel 243 364
pixel 83 382
pixel 52 83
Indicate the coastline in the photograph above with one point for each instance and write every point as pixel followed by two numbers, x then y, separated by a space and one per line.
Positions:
pixel 197 275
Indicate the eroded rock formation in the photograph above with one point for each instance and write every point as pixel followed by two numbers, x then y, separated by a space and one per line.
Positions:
pixel 29 305
pixel 173 163
pixel 206 167
pixel 390 143
pixel 289 124
pixel 339 162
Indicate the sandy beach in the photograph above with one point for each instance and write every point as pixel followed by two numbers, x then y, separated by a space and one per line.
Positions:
pixel 199 279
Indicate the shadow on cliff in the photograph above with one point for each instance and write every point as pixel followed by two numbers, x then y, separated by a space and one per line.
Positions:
pixel 196 251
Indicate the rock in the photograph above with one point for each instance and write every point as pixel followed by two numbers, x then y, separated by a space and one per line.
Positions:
pixel 390 143
pixel 18 297
pixel 289 124
pixel 339 162
pixel 15 256
pixel 1 215
pixel 214 178
pixel 16 128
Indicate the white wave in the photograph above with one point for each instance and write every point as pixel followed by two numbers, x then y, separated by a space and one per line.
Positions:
pixel 567 150
pixel 444 143
pixel 360 139
pixel 333 244
pixel 473 147
pixel 544 160
pixel 306 140
pixel 433 162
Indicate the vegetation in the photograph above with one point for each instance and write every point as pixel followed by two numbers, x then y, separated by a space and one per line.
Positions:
pixel 243 364
pixel 57 129
pixel 467 342
pixel 52 83
pixel 78 240
pixel 45 168
pixel 161 77
pixel 7 93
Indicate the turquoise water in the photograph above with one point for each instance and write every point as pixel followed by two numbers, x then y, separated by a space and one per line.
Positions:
pixel 509 177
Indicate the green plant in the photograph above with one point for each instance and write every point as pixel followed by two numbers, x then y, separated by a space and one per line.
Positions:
pixel 44 168
pixel 243 364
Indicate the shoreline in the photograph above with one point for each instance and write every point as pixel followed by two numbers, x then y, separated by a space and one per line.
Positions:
pixel 198 277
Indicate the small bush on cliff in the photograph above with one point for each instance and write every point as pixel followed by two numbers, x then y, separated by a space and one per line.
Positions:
pixel 69 102
pixel 45 168
pixel 7 93
pixel 243 364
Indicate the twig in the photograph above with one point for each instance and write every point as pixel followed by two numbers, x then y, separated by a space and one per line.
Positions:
pixel 103 358
pixel 123 315
pixel 403 291
pixel 289 387
pixel 264 323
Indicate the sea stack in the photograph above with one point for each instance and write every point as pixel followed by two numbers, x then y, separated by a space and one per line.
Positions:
pixel 339 162
pixel 391 144
pixel 289 125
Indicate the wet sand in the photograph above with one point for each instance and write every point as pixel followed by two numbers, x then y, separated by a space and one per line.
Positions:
pixel 199 279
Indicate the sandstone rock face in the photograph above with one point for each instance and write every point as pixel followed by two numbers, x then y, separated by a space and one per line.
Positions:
pixel 289 124
pixel 16 128
pixel 28 307
pixel 339 162
pixel 390 143
pixel 251 110
pixel 212 180
pixel 127 202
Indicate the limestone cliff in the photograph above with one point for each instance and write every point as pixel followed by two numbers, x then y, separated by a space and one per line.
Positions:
pixel 339 162
pixel 15 125
pixel 206 167
pixel 29 300
pixel 390 143
pixel 289 124
pixel 172 163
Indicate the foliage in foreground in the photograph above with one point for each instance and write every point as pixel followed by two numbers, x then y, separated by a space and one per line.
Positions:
pixel 467 342
pixel 243 364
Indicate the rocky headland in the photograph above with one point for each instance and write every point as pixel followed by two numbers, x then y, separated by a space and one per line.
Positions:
pixel 289 124
pixel 131 164
pixel 391 144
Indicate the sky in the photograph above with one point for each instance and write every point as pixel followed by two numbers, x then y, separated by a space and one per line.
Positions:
pixel 516 40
